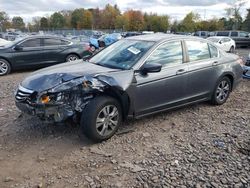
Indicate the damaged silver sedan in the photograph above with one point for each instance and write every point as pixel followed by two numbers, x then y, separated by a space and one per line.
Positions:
pixel 133 77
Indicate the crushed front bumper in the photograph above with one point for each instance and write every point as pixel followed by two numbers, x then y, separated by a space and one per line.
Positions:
pixel 57 113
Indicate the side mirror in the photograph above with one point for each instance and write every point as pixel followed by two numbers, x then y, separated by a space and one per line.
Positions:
pixel 151 67
pixel 220 42
pixel 18 48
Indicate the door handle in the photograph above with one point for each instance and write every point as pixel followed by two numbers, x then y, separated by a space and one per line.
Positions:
pixel 215 63
pixel 180 71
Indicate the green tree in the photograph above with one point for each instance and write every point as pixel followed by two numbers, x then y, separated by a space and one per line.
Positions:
pixel 44 23
pixel 121 22
pixel 57 20
pixel 4 21
pixel 234 13
pixel 67 17
pixel 17 22
pixel 188 24
pixel 246 23
pixel 76 18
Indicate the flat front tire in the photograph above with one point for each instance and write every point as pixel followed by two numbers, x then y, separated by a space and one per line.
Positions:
pixel 222 91
pixel 101 118
pixel 5 67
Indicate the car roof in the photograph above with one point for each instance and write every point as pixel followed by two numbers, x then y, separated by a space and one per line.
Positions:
pixel 158 37
pixel 219 37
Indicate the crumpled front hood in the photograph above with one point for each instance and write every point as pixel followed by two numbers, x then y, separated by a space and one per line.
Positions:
pixel 50 77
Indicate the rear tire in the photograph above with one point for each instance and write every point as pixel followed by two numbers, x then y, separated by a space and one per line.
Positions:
pixel 72 57
pixel 5 67
pixel 101 118
pixel 222 91
pixel 231 50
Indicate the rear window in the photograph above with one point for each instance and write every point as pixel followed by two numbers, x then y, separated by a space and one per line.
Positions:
pixel 54 42
pixel 197 50
pixel 223 33
pixel 213 51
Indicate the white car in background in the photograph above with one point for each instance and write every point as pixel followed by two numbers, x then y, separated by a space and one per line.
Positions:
pixel 3 42
pixel 225 43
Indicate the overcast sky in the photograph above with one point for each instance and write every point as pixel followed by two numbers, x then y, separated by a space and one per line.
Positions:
pixel 177 9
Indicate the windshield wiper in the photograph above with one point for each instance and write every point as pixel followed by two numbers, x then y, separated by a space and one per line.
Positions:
pixel 108 66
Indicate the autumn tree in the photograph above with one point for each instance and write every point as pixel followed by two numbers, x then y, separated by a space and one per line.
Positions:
pixel 44 23
pixel 109 15
pixel 17 22
pixel 135 20
pixel 87 20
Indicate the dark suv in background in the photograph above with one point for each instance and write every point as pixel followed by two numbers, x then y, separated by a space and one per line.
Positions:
pixel 241 38
pixel 38 51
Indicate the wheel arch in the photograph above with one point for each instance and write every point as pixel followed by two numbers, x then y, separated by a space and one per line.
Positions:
pixel 121 96
pixel 231 78
pixel 72 53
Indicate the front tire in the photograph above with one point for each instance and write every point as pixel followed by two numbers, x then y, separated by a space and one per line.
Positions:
pixel 5 67
pixel 222 91
pixel 101 118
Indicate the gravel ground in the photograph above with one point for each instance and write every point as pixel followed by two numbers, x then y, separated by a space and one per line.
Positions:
pixel 196 146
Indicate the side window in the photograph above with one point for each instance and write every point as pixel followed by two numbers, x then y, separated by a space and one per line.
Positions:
pixel 234 34
pixel 31 43
pixel 166 54
pixel 197 50
pixel 203 34
pixel 223 33
pixel 225 40
pixel 52 42
pixel 243 34
pixel 213 51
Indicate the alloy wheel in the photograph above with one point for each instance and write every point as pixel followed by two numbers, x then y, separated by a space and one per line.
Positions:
pixel 107 120
pixel 222 91
pixel 3 68
pixel 72 58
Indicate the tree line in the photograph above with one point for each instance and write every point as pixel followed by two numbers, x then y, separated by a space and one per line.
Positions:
pixel 131 20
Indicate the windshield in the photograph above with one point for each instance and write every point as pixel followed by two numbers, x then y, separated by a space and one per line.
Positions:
pixel 214 39
pixel 123 54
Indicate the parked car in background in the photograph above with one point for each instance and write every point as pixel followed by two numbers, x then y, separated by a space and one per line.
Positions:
pixel 246 68
pixel 37 51
pixel 225 43
pixel 134 77
pixel 202 34
pixel 103 41
pixel 241 38
pixel 3 42
pixel 131 34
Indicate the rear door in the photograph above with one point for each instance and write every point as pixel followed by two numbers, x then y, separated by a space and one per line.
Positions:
pixel 202 69
pixel 157 91
pixel 30 53
pixel 53 50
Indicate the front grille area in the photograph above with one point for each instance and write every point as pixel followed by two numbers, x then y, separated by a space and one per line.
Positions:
pixel 23 94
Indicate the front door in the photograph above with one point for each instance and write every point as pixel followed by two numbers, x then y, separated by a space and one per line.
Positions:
pixel 157 91
pixel 29 53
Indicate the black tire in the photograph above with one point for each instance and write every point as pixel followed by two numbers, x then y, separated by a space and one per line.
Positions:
pixel 221 91
pixel 72 57
pixel 231 50
pixel 5 67
pixel 91 116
